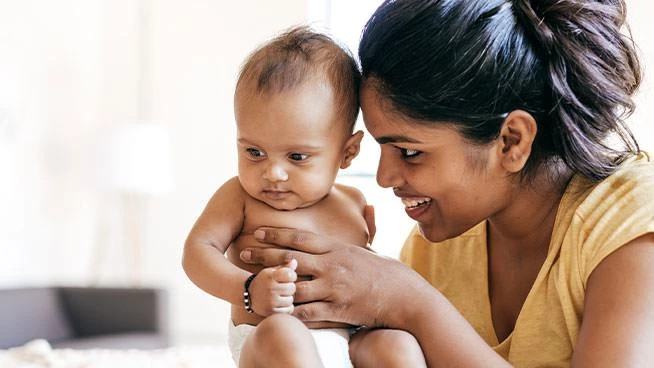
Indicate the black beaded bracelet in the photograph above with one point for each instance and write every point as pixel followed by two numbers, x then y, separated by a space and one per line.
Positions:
pixel 247 300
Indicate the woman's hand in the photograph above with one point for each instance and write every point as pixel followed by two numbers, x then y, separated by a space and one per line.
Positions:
pixel 353 285
pixel 348 283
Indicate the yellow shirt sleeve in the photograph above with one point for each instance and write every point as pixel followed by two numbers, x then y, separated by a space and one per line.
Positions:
pixel 618 210
pixel 593 220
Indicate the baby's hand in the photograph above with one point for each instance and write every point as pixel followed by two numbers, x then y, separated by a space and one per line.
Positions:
pixel 273 288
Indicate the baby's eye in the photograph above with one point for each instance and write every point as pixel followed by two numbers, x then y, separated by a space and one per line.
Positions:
pixel 253 152
pixel 298 156
pixel 409 153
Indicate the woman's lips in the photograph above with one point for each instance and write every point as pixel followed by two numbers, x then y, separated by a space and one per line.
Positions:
pixel 415 201
pixel 416 206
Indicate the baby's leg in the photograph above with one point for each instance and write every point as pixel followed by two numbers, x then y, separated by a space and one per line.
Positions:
pixel 385 348
pixel 280 340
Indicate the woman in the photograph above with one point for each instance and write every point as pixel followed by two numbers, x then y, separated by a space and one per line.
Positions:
pixel 535 237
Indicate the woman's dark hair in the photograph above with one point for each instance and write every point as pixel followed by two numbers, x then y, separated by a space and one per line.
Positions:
pixel 469 62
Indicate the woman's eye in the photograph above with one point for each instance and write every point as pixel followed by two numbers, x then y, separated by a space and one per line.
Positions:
pixel 253 152
pixel 409 153
pixel 298 156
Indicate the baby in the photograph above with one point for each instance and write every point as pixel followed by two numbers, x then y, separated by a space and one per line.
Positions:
pixel 296 103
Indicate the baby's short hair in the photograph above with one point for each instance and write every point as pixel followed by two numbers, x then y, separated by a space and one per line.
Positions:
pixel 300 53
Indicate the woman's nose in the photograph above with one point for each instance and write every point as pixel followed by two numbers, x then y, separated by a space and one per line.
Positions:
pixel 275 172
pixel 387 175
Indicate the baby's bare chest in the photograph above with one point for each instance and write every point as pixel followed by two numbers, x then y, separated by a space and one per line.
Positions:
pixel 338 218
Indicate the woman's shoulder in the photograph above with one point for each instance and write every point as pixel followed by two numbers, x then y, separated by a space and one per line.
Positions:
pixel 631 185
pixel 597 219
pixel 638 168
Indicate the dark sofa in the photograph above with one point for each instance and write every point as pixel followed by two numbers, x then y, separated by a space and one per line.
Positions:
pixel 84 317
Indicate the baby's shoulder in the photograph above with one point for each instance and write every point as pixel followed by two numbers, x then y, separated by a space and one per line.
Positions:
pixel 232 189
pixel 351 194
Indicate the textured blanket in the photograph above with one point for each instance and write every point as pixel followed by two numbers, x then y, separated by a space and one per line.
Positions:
pixel 39 353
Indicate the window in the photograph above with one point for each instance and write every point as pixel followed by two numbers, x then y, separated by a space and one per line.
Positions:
pixel 344 20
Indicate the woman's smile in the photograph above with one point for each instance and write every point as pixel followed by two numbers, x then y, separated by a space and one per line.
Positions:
pixel 416 206
pixel 416 211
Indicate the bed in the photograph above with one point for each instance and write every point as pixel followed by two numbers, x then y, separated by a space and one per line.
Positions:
pixel 39 353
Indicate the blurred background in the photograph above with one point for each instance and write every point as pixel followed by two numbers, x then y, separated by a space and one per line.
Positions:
pixel 116 127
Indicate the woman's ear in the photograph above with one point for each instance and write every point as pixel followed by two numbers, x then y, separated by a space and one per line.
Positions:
pixel 351 149
pixel 515 141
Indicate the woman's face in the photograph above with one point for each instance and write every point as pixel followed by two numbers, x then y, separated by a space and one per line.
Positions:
pixel 446 183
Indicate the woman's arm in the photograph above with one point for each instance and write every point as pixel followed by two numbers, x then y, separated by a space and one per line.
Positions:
pixel 355 286
pixel 618 324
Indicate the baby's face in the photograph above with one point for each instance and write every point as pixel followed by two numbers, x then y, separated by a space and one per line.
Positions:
pixel 291 144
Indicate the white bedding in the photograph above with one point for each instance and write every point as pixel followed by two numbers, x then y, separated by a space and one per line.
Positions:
pixel 39 354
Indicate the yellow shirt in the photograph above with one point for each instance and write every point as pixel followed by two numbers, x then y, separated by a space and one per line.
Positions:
pixel 591 222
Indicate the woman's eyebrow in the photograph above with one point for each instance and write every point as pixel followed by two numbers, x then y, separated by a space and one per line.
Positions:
pixel 395 139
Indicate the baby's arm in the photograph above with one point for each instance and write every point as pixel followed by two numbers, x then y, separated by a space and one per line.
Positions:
pixel 204 261
pixel 204 251
pixel 369 216
pixel 367 211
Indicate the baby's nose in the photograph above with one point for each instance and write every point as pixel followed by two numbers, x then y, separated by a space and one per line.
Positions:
pixel 276 173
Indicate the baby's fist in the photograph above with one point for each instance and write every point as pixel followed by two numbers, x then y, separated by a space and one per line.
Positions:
pixel 273 288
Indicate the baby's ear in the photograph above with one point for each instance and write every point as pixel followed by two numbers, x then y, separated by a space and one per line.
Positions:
pixel 351 149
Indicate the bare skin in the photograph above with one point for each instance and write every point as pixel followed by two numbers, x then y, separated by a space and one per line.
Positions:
pixel 617 324
pixel 516 257
pixel 371 348
pixel 288 160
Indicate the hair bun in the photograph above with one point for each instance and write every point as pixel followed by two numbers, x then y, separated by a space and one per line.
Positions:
pixel 593 71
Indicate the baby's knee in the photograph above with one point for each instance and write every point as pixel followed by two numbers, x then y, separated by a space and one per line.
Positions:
pixel 280 340
pixel 402 341
pixel 278 330
pixel 387 348
pixel 278 326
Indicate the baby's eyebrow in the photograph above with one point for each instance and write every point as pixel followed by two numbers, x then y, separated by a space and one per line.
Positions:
pixel 294 148
pixel 304 148
pixel 396 139
pixel 243 141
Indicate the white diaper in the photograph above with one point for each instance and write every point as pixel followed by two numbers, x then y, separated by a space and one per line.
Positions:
pixel 332 344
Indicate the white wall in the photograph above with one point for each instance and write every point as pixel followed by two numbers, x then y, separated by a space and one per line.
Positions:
pixel 196 49
pixel 71 69
pixel 67 70
pixel 642 121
